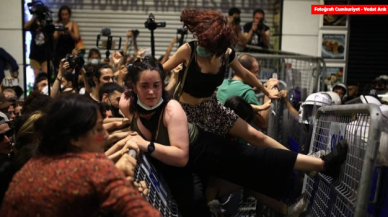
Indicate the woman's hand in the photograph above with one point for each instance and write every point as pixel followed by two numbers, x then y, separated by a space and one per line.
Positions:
pixel 130 145
pixel 266 105
pixel 273 94
pixel 116 57
pixel 139 141
pixel 142 187
pixel 127 165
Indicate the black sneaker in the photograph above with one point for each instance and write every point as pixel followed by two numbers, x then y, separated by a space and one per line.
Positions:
pixel 335 159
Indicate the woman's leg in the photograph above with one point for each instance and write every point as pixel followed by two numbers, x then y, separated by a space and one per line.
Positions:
pixel 264 170
pixel 254 137
pixel 44 67
pixel 188 191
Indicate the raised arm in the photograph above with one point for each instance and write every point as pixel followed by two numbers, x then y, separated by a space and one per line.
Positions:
pixel 182 55
pixel 168 51
pixel 28 24
pixel 57 83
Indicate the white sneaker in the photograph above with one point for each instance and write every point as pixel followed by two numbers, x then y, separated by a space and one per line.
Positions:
pixel 297 208
pixel 317 154
pixel 214 205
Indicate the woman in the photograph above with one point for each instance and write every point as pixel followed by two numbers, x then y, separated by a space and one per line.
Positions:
pixel 209 60
pixel 163 132
pixel 70 175
pixel 65 39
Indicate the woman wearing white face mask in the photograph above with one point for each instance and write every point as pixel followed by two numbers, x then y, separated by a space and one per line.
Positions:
pixel 94 56
pixel 186 154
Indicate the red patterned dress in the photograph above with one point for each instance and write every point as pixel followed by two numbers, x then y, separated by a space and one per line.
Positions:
pixel 73 184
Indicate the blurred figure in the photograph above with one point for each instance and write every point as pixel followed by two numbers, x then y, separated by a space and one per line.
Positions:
pixel 353 90
pixel 379 84
pixel 256 32
pixel 341 90
pixel 65 39
pixel 72 154
pixel 5 59
pixel 38 57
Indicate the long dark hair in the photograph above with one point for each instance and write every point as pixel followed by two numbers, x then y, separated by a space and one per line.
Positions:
pixel 63 7
pixel 133 76
pixel 211 29
pixel 68 117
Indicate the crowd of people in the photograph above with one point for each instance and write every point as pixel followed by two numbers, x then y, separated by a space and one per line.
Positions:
pixel 67 153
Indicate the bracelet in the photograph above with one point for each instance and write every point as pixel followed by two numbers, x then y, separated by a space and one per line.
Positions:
pixel 59 79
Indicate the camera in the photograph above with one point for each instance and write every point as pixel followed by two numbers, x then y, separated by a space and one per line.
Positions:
pixel 182 31
pixel 260 25
pixel 74 62
pixel 10 82
pixel 237 20
pixel 43 13
pixel 151 24
pixel 135 32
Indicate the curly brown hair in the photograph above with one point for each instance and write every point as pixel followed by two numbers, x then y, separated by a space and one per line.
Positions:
pixel 211 29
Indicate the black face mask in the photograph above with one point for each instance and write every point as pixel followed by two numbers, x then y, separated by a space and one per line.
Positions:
pixel 115 111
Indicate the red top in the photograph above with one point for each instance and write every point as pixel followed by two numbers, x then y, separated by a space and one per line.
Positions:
pixel 73 184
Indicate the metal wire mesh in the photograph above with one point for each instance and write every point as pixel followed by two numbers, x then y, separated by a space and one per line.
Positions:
pixel 340 197
pixel 158 194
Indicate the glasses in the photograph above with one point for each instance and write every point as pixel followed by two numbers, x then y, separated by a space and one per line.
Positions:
pixel 8 133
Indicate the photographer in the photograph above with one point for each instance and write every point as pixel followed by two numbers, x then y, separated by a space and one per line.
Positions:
pixel 65 39
pixel 256 32
pixel 234 22
pixel 38 56
pixel 130 34
pixel 64 68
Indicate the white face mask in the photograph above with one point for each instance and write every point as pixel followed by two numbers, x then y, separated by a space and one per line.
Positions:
pixel 146 107
pixel 94 61
pixel 62 86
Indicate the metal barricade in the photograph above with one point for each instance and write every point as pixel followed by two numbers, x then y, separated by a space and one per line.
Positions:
pixel 349 195
pixel 300 72
pixel 159 194
pixel 300 75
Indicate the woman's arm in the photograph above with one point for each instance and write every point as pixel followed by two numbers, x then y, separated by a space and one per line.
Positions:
pixel 180 56
pixel 251 79
pixel 29 23
pixel 57 83
pixel 74 31
pixel 168 51
pixel 177 154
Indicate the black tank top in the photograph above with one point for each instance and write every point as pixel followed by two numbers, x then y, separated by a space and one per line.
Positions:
pixel 202 85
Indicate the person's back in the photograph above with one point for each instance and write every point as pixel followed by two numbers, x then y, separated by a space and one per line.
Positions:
pixel 72 184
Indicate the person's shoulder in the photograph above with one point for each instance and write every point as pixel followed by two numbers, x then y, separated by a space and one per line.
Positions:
pixel 173 104
pixel 173 109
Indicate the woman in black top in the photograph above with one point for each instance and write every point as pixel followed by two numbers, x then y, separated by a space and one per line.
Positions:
pixel 209 60
pixel 65 39
pixel 163 132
